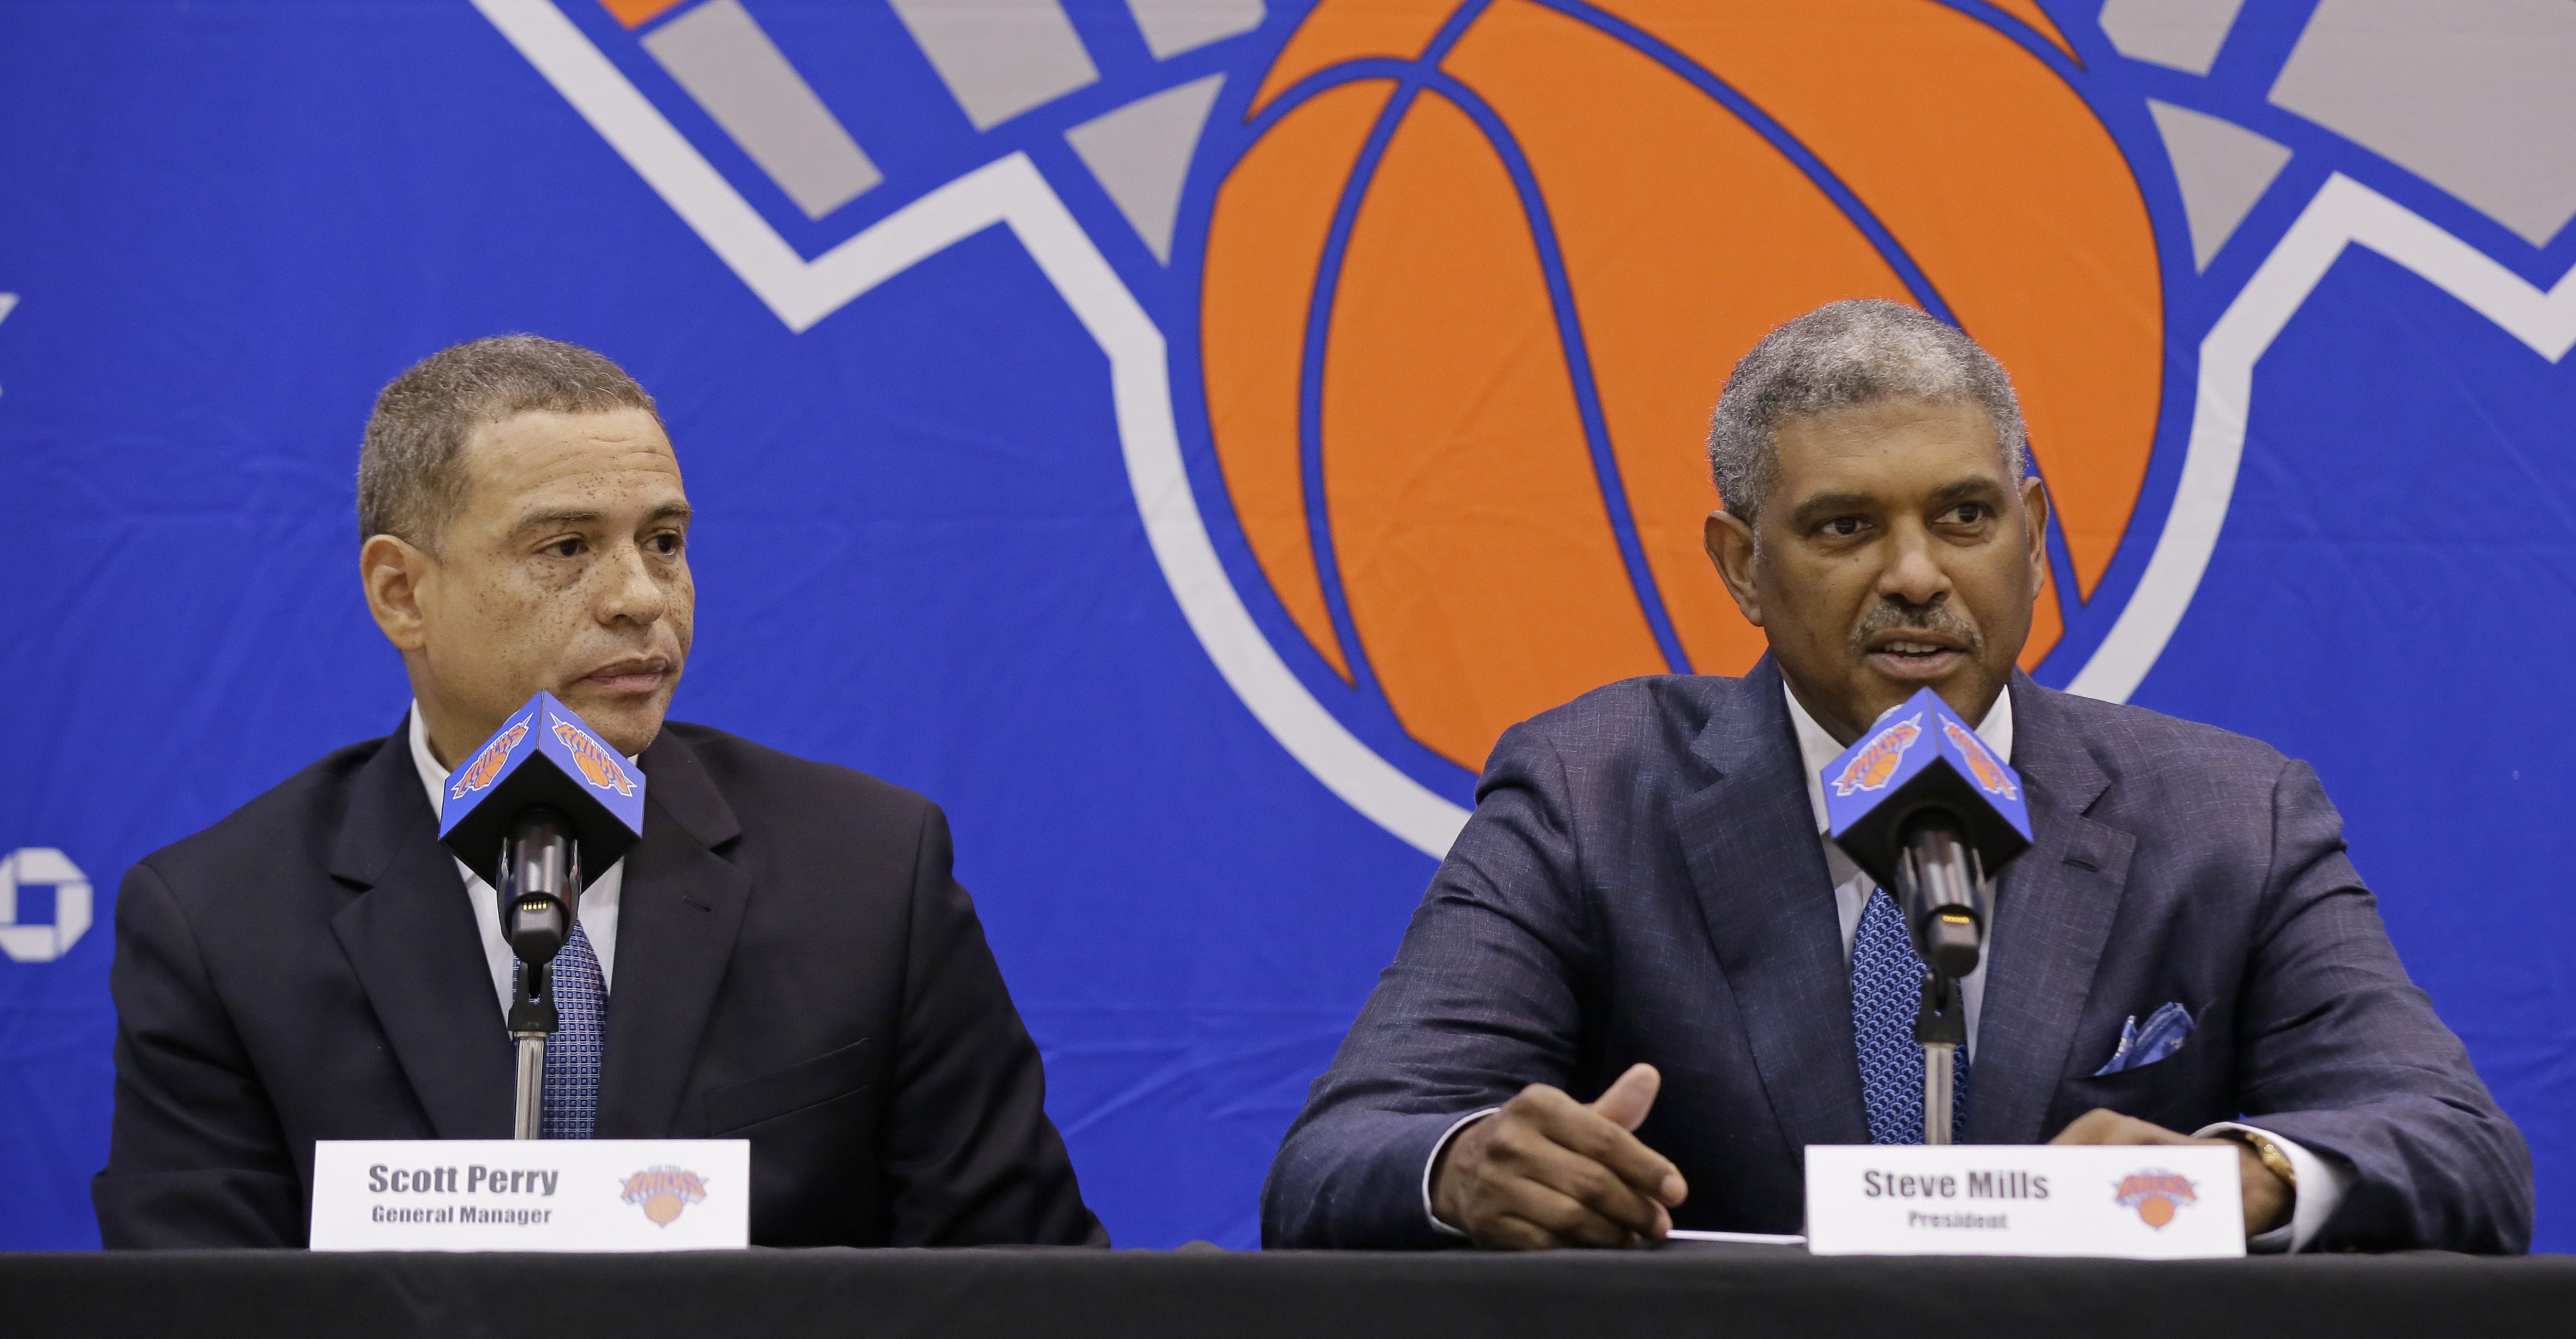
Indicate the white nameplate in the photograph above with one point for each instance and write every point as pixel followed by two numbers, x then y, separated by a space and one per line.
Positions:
pixel 532 1195
pixel 2160 1202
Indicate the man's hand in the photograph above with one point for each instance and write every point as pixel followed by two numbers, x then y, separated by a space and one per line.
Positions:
pixel 1547 1171
pixel 2267 1200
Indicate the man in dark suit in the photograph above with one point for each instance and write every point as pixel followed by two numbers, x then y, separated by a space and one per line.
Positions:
pixel 1642 911
pixel 783 957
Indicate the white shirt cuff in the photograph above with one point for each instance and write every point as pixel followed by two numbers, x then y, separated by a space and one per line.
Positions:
pixel 2321 1187
pixel 1434 1160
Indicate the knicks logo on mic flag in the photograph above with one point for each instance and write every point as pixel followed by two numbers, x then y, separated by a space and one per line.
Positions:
pixel 1876 763
pixel 488 763
pixel 597 764
pixel 1876 788
pixel 564 768
pixel 1990 775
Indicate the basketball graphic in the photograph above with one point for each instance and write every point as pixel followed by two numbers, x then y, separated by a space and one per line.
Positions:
pixel 1471 294
pixel 1415 310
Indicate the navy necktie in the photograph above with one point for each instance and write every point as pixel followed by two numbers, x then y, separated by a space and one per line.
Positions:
pixel 572 1054
pixel 1887 992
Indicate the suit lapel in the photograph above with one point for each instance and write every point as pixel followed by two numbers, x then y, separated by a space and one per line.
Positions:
pixel 2053 913
pixel 678 915
pixel 411 937
pixel 1759 873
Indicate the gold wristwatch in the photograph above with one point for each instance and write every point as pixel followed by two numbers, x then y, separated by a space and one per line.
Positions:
pixel 2268 1152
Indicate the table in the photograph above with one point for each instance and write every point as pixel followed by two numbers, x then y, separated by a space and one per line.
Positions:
pixel 1026 1294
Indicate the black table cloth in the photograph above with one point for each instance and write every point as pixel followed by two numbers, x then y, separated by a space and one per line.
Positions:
pixel 1683 1290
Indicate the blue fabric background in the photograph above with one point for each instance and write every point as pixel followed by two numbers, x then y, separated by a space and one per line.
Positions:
pixel 918 552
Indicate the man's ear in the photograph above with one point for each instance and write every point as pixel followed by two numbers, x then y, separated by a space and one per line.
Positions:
pixel 392 570
pixel 1730 546
pixel 2034 508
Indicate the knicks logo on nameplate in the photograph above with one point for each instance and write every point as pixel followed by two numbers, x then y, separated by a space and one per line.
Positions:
pixel 662 1191
pixel 598 766
pixel 1871 768
pixel 2156 1195
pixel 487 764
pixel 1990 774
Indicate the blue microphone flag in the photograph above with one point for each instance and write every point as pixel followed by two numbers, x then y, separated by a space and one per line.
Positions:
pixel 544 754
pixel 1917 758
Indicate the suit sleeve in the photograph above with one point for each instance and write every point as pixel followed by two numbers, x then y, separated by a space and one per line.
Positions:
pixel 1484 998
pixel 2343 1053
pixel 969 1154
pixel 195 1154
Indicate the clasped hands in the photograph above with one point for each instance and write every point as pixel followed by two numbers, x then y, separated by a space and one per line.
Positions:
pixel 1547 1171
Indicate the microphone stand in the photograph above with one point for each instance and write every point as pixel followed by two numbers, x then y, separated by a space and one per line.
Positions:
pixel 1947 894
pixel 532 1021
pixel 538 907
pixel 1942 1027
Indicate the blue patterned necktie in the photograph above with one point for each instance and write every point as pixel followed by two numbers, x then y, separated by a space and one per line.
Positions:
pixel 1887 992
pixel 572 1054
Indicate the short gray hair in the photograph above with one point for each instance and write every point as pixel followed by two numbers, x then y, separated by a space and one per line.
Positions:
pixel 411 471
pixel 1842 355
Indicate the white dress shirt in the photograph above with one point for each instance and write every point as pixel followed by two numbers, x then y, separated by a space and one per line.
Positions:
pixel 2321 1184
pixel 598 898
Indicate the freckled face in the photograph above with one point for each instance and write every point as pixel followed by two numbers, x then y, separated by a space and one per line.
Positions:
pixel 567 571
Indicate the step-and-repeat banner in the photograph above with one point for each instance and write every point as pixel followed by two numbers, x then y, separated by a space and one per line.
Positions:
pixel 1180 435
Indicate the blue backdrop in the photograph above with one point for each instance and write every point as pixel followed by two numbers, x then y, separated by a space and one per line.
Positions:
pixel 963 523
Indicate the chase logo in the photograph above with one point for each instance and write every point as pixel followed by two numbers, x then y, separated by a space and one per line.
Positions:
pixel 1990 774
pixel 598 765
pixel 25 875
pixel 1873 766
pixel 1414 309
pixel 488 764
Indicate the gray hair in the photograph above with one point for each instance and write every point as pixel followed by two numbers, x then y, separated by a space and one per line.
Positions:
pixel 411 471
pixel 1842 355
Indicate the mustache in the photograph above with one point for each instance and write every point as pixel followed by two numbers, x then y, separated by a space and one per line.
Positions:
pixel 1896 616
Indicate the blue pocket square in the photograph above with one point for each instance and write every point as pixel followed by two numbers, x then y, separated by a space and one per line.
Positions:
pixel 2164 1033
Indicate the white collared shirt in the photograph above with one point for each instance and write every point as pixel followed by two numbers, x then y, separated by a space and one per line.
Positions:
pixel 2321 1183
pixel 598 898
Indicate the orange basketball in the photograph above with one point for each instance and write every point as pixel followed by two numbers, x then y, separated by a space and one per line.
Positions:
pixel 2156 1210
pixel 1471 294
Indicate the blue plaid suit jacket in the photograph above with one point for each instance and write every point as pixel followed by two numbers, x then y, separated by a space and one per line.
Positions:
pixel 1642 881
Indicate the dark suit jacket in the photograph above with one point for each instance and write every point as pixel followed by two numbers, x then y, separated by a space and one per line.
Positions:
pixel 1642 881
pixel 795 966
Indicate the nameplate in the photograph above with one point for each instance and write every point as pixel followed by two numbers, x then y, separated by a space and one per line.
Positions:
pixel 532 1195
pixel 2161 1202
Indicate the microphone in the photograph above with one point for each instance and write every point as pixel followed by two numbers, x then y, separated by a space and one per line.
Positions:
pixel 541 801
pixel 1930 812
pixel 541 797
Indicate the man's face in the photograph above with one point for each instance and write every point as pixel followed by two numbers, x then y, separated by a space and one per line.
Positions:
pixel 1893 555
pixel 567 571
